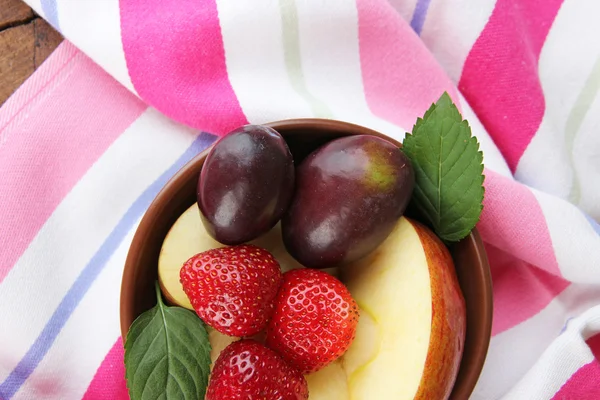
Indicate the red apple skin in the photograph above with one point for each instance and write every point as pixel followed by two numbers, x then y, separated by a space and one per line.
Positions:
pixel 448 325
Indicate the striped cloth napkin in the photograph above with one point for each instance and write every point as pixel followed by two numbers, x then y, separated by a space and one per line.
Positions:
pixel 144 85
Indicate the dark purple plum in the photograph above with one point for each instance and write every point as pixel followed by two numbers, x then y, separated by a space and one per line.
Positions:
pixel 349 195
pixel 246 184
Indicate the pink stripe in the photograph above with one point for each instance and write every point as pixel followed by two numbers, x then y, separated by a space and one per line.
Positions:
pixel 520 289
pixel 67 129
pixel 176 61
pixel 513 221
pixel 500 76
pixel 401 77
pixel 109 381
pixel 583 385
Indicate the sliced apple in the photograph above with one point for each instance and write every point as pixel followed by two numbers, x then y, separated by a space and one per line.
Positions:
pixel 411 331
pixel 187 237
pixel 329 383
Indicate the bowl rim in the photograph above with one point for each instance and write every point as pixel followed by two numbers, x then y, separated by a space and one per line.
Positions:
pixel 484 279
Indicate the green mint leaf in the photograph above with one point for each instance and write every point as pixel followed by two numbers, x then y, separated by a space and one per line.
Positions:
pixel 448 170
pixel 167 354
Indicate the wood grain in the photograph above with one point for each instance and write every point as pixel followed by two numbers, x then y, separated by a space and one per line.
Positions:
pixel 46 39
pixel 16 58
pixel 26 41
pixel 14 12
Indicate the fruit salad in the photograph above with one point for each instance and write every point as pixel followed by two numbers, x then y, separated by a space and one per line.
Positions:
pixel 327 277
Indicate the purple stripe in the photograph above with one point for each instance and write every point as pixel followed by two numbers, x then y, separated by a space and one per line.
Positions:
pixel 50 9
pixel 419 15
pixel 593 223
pixel 61 315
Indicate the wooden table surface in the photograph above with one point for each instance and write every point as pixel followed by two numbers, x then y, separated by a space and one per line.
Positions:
pixel 26 41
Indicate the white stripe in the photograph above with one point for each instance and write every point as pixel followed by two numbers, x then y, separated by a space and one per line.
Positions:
pixel 492 158
pixel 567 354
pixel 79 225
pixel 94 26
pixel 567 58
pixel 576 244
pixel 85 340
pixel 545 164
pixel 587 161
pixel 331 63
pixel 254 52
pixel 513 352
pixel 451 29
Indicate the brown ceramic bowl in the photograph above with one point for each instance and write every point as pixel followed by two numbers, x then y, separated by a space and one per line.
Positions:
pixel 302 136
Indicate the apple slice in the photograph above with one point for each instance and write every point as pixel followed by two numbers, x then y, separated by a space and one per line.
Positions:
pixel 329 383
pixel 187 237
pixel 411 331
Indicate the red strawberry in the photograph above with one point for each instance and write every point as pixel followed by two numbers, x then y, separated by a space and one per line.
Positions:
pixel 248 370
pixel 233 288
pixel 314 321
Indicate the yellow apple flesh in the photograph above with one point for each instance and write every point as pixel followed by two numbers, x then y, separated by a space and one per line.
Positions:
pixel 329 383
pixel 411 330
